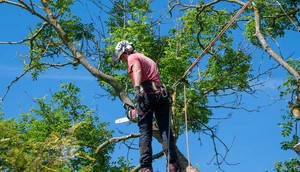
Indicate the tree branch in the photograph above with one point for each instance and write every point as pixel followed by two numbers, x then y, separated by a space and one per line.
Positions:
pixel 217 155
pixel 155 156
pixel 116 139
pixel 28 39
pixel 268 49
pixel 11 84
pixel 25 72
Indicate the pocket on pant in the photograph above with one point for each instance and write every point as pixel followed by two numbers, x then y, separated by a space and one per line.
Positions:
pixel 147 103
pixel 141 108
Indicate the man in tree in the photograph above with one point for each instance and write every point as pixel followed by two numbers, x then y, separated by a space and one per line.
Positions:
pixel 151 96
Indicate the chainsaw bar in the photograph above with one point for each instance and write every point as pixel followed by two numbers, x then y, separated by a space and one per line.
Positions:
pixel 121 120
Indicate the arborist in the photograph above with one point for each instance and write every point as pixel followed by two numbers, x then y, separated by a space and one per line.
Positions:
pixel 151 97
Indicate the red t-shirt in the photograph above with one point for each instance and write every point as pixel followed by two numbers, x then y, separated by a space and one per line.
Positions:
pixel 148 67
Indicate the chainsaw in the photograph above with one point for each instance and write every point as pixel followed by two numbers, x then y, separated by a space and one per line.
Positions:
pixel 131 115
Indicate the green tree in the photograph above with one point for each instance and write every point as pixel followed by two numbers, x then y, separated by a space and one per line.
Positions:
pixel 227 70
pixel 60 134
pixel 289 123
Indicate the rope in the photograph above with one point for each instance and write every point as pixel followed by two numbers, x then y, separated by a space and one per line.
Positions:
pixel 186 127
pixel 169 134
pixel 124 22
pixel 124 19
pixel 211 44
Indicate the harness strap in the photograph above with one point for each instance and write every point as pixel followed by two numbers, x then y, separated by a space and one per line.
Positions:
pixel 150 87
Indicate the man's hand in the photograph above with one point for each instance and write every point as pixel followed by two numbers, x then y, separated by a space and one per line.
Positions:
pixel 137 94
pixel 131 112
pixel 132 115
pixel 127 107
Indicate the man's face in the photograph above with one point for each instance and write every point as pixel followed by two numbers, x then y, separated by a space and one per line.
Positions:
pixel 124 57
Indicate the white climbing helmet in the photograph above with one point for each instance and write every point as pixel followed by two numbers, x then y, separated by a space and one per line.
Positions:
pixel 122 47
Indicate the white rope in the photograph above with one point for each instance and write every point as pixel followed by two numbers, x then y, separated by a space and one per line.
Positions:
pixel 169 133
pixel 186 127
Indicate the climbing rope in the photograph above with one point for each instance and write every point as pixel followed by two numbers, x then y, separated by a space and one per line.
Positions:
pixel 186 127
pixel 124 21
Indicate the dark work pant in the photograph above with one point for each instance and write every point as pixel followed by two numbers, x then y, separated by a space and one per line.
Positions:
pixel 157 103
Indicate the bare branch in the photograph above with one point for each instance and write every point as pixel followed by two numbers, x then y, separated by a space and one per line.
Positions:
pixel 218 156
pixel 172 5
pixel 32 11
pixel 28 39
pixel 11 84
pixel 12 3
pixel 25 72
pixel 155 156
pixel 116 139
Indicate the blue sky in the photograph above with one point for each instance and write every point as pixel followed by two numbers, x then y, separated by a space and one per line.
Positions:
pixel 255 136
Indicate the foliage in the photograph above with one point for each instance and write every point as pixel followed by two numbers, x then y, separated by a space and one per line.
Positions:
pixel 293 165
pixel 47 46
pixel 61 134
pixel 290 87
pixel 273 23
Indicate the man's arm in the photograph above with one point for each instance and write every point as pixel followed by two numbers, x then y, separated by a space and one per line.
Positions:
pixel 137 74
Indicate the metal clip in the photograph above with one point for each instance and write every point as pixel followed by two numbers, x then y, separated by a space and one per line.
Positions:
pixel 164 91
pixel 142 90
pixel 153 86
